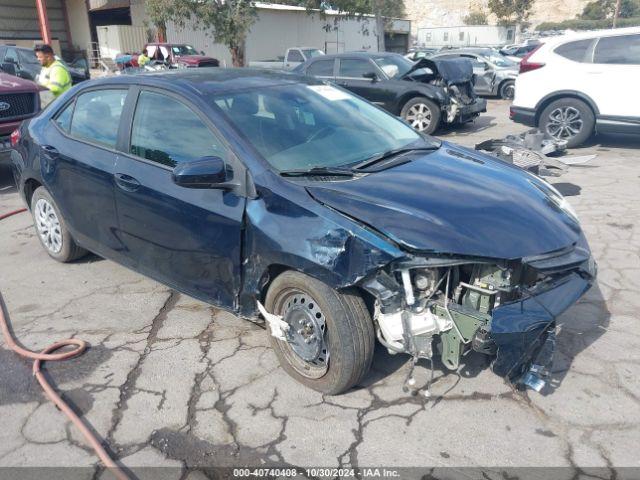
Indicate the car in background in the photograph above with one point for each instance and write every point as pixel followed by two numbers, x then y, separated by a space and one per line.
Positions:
pixel 19 100
pixel 292 58
pixel 177 55
pixel 266 193
pixel 426 94
pixel 575 84
pixel 494 74
pixel 415 54
pixel 26 64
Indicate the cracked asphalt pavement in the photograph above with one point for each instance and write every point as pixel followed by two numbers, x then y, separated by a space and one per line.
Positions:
pixel 170 381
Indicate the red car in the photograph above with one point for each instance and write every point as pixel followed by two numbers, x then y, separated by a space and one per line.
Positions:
pixel 19 100
pixel 177 54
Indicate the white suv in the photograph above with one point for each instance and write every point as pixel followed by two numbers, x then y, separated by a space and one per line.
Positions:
pixel 574 84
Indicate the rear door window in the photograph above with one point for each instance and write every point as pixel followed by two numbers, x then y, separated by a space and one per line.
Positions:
pixel 321 68
pixel 96 116
pixel 168 132
pixel 620 50
pixel 578 51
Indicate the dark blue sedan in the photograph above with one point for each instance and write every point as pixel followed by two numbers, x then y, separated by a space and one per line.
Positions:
pixel 283 197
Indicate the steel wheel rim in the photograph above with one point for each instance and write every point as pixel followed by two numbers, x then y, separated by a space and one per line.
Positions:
pixel 564 123
pixel 48 226
pixel 306 320
pixel 509 91
pixel 419 116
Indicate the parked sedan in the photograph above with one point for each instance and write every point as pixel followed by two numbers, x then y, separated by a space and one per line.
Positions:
pixel 427 94
pixel 25 64
pixel 494 74
pixel 277 195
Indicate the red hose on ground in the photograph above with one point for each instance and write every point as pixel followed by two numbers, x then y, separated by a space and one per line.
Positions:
pixel 47 355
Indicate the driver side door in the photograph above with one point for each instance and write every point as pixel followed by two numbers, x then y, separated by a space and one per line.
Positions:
pixel 188 238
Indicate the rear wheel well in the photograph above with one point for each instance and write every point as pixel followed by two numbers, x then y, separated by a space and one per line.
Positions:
pixel 547 101
pixel 30 186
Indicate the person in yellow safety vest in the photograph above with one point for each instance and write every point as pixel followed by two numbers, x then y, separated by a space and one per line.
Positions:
pixel 54 75
pixel 143 59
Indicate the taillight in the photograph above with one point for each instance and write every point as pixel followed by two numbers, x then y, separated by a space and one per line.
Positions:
pixel 526 65
pixel 15 137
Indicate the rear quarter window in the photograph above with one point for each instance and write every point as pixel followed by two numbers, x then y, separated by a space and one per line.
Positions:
pixel 618 50
pixel 577 51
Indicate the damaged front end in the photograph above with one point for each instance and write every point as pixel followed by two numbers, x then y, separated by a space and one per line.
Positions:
pixel 456 78
pixel 448 307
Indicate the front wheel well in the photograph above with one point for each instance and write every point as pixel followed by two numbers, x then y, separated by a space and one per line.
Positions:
pixel 408 96
pixel 30 186
pixel 547 101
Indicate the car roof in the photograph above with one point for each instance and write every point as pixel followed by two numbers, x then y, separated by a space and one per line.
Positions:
pixel 207 81
pixel 358 55
pixel 570 36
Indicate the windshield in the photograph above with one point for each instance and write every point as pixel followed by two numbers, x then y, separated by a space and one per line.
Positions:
pixel 184 50
pixel 395 66
pixel 300 127
pixel 311 53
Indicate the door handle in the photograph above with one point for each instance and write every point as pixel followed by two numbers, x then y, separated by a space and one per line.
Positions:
pixel 126 182
pixel 50 152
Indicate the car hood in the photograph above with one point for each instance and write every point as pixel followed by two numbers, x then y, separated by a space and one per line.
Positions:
pixel 452 71
pixel 193 59
pixel 456 201
pixel 11 84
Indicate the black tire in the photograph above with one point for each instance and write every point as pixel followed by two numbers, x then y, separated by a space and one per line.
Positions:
pixel 64 251
pixel 411 114
pixel 507 90
pixel 348 334
pixel 564 114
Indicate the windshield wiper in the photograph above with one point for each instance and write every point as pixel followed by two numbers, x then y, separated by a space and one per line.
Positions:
pixel 387 155
pixel 318 171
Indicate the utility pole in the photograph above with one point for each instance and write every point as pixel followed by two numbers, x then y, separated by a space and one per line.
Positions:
pixel 616 13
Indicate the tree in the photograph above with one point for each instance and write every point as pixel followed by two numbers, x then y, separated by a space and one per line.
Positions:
pixel 511 11
pixel 228 20
pixel 476 17
pixel 382 10
pixel 605 9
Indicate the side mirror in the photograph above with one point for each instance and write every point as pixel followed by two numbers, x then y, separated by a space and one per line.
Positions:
pixel 202 52
pixel 206 172
pixel 373 76
pixel 9 68
pixel 487 67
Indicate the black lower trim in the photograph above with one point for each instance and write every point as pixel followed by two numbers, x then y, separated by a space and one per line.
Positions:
pixel 526 116
pixel 615 124
pixel 5 144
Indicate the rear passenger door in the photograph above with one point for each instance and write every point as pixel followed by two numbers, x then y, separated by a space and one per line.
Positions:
pixel 77 160
pixel 322 69
pixel 184 237
pixel 614 75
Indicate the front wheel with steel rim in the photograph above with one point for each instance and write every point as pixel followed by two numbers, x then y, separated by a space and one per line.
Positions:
pixel 568 119
pixel 51 228
pixel 330 341
pixel 422 114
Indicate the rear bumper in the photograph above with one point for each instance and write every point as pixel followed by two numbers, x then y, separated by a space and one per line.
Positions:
pixel 526 116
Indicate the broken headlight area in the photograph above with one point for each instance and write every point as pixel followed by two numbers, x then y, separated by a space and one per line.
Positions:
pixel 507 309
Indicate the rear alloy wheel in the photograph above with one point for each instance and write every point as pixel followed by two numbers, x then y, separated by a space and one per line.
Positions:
pixel 507 90
pixel 52 230
pixel 568 119
pixel 331 338
pixel 422 114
